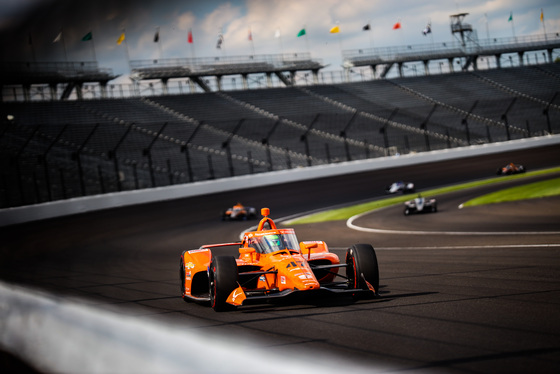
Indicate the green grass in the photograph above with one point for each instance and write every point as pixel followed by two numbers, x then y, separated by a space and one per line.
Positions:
pixel 347 212
pixel 529 191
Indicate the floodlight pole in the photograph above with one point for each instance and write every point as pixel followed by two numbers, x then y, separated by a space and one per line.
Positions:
pixel 343 134
pixel 185 148
pixel 113 155
pixel 17 158
pixel 226 145
pixel 424 125
pixel 148 152
pixel 545 112
pixel 383 130
pixel 304 139
pixel 505 119
pixel 265 142
pixel 466 123
pixel 43 159
pixel 76 156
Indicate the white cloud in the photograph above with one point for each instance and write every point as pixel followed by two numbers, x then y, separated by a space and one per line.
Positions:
pixel 264 17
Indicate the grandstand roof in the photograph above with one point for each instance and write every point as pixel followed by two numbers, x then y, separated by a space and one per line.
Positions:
pixel 28 73
pixel 428 52
pixel 218 66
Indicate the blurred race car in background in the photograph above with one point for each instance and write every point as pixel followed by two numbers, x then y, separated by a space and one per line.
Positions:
pixel 270 264
pixel 420 205
pixel 239 212
pixel 511 168
pixel 400 186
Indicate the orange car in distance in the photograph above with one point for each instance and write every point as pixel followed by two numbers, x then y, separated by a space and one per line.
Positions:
pixel 270 263
pixel 239 212
pixel 511 168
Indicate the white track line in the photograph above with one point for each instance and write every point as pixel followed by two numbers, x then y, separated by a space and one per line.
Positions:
pixel 459 247
pixel 350 224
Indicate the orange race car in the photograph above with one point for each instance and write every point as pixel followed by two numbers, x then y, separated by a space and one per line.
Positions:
pixel 511 168
pixel 270 263
pixel 239 212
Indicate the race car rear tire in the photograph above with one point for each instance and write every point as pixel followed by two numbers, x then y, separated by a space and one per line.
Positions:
pixel 361 262
pixel 223 280
pixel 182 275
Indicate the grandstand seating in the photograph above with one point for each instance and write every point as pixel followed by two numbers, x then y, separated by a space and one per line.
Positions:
pixel 60 149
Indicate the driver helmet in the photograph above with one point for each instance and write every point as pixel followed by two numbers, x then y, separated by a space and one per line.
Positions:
pixel 274 241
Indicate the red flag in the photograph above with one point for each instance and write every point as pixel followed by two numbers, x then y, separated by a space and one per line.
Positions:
pixel 250 35
pixel 397 25
pixel 190 39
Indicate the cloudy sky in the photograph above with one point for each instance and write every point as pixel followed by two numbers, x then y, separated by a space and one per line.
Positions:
pixel 29 27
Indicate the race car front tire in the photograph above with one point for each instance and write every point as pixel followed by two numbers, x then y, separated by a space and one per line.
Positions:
pixel 361 266
pixel 223 280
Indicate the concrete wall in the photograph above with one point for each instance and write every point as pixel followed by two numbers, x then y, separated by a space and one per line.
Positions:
pixel 53 209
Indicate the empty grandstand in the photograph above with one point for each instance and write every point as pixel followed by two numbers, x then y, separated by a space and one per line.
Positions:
pixel 55 150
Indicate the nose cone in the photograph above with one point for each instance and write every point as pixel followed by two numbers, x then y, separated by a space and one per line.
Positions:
pixel 295 273
pixel 305 281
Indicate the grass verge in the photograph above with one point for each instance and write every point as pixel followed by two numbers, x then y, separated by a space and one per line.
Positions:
pixel 528 191
pixel 347 212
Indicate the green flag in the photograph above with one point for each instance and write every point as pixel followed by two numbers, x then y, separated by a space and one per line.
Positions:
pixel 87 37
pixel 301 33
pixel 510 17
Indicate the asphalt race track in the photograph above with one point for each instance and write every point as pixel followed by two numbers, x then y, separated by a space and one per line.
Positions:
pixel 486 300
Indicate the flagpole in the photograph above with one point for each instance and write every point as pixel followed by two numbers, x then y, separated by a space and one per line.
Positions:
pixel 193 54
pixel 543 24
pixel 431 33
pixel 63 45
pixel 30 40
pixel 251 40
pixel 220 41
pixel 191 42
pixel 278 35
pixel 126 48
pixel 159 43
pixel 339 42
pixel 487 29
pixel 338 37
pixel 93 47
pixel 370 35
pixel 512 25
pixel 306 40
pixel 401 32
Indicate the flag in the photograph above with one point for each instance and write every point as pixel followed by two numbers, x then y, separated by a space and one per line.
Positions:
pixel 190 38
pixel 220 40
pixel 250 37
pixel 120 39
pixel 87 37
pixel 277 33
pixel 301 33
pixel 366 27
pixel 510 17
pixel 542 16
pixel 156 36
pixel 427 30
pixel 58 37
pixel 335 30
pixel 397 25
